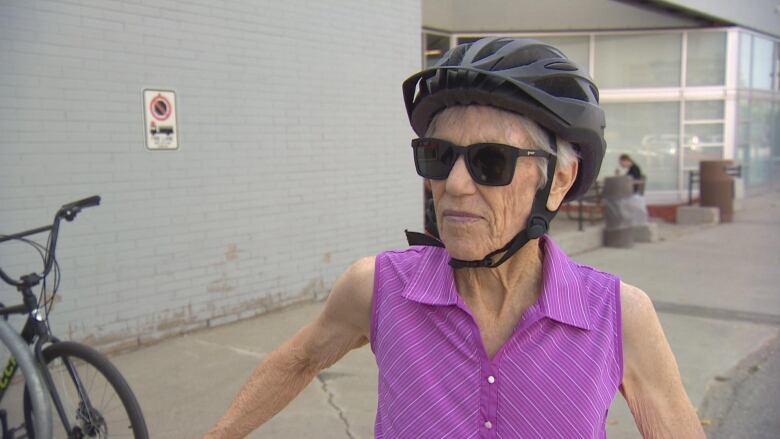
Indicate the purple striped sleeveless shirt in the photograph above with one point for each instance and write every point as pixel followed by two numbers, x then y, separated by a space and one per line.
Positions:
pixel 554 378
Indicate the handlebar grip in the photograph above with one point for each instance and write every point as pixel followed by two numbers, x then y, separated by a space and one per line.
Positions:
pixel 86 202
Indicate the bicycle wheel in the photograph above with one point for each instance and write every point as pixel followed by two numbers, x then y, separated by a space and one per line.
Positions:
pixel 104 407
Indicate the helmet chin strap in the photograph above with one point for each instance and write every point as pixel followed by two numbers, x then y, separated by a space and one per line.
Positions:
pixel 538 224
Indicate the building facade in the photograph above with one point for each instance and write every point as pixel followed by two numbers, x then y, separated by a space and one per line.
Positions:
pixel 678 86
pixel 293 157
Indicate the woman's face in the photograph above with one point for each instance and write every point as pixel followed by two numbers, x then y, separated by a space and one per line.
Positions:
pixel 475 220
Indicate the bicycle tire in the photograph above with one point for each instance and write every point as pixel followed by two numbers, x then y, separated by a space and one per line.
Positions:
pixel 25 360
pixel 83 356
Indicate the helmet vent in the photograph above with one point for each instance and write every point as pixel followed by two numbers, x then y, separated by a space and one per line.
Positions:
pixel 490 49
pixel 560 65
pixel 454 56
pixel 523 57
pixel 562 87
pixel 595 92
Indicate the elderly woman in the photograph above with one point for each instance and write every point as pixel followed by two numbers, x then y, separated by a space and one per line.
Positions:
pixel 492 331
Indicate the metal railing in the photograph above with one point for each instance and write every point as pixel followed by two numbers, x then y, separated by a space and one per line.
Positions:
pixel 594 205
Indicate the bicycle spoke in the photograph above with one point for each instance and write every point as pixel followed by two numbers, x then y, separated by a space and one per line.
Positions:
pixel 64 389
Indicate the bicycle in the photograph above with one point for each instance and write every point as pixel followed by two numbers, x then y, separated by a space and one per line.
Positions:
pixel 82 411
pixel 22 358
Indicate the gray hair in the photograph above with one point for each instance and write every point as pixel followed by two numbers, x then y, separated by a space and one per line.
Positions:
pixel 508 121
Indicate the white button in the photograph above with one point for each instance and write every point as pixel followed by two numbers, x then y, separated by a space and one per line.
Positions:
pixel 488 425
pixel 491 379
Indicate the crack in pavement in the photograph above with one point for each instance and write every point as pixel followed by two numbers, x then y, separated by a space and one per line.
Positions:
pixel 333 404
pixel 717 313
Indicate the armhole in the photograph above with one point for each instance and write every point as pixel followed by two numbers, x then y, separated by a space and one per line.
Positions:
pixel 375 302
pixel 618 332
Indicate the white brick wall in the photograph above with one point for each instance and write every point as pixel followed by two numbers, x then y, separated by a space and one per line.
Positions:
pixel 293 159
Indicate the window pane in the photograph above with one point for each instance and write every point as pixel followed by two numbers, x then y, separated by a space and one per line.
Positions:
pixel 648 132
pixel 763 58
pixel 745 43
pixel 702 142
pixel 463 40
pixel 624 61
pixel 696 153
pixel 706 58
pixel 704 133
pixel 759 149
pixel 703 110
pixel 777 66
pixel 776 134
pixel 576 49
pixel 743 119
pixel 435 47
pixel 755 135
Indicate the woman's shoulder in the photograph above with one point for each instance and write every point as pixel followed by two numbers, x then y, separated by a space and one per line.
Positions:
pixel 401 259
pixel 593 277
pixel 405 262
pixel 601 289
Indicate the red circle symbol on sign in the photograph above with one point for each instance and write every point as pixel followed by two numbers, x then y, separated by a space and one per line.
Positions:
pixel 160 108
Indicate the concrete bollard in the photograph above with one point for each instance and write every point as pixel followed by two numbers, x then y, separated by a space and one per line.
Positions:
pixel 618 231
pixel 646 233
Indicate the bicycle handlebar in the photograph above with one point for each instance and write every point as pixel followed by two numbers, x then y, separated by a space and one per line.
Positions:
pixel 83 203
pixel 70 210
pixel 67 211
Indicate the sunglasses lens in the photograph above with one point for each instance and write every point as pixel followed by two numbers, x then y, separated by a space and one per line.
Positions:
pixel 491 165
pixel 434 159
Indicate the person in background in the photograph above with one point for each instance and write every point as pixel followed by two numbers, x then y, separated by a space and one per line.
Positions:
pixel 633 170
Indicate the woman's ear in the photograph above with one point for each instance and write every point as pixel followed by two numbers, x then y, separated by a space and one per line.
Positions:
pixel 563 180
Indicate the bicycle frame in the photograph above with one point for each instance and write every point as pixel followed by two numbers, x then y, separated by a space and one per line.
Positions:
pixel 35 332
pixel 34 384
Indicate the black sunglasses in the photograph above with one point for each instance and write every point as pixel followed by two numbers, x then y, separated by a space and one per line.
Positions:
pixel 489 164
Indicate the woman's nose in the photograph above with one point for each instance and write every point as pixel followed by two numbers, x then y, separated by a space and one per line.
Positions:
pixel 459 181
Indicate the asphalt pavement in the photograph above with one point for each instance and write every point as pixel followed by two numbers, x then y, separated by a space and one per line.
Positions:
pixel 746 401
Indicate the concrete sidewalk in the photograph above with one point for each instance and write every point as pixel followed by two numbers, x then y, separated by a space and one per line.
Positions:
pixel 716 292
pixel 715 289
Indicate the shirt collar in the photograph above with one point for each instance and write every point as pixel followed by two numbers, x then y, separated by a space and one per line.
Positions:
pixel 562 298
pixel 434 283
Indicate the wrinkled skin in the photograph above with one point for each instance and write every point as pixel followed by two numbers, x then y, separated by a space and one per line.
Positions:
pixel 501 211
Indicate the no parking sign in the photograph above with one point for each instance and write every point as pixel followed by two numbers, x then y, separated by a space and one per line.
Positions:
pixel 162 132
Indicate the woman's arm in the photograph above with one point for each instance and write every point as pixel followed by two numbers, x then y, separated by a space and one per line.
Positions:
pixel 652 385
pixel 343 325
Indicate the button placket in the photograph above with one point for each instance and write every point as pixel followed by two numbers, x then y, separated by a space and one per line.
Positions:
pixel 490 388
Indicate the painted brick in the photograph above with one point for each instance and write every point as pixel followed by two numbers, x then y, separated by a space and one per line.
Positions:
pixel 293 147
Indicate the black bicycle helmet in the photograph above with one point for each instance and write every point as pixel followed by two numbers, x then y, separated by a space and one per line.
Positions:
pixel 523 76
